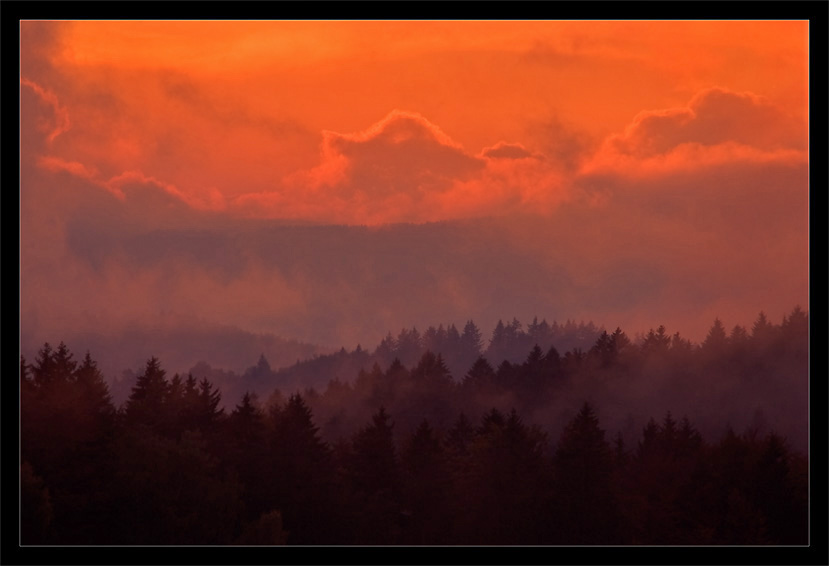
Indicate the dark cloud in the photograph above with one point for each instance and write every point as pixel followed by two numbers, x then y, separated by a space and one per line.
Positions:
pixel 561 142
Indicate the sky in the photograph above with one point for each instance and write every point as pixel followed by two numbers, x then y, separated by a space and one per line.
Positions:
pixel 633 173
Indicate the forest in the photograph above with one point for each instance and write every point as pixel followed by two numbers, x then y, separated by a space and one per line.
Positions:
pixel 546 436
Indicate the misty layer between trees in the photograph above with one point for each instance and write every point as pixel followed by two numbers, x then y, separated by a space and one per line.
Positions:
pixel 647 441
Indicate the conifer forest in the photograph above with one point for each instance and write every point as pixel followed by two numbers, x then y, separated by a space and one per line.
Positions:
pixel 516 449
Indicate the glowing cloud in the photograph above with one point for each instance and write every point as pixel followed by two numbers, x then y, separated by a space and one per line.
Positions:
pixel 716 127
pixel 404 168
pixel 403 153
pixel 60 116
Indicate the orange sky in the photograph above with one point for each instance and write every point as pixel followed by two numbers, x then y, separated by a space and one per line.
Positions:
pixel 682 143
pixel 234 113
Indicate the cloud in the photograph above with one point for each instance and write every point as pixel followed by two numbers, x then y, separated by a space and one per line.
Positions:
pixel 404 153
pixel 716 127
pixel 145 194
pixel 42 120
pixel 55 164
pixel 404 168
pixel 401 169
pixel 60 116
pixel 503 150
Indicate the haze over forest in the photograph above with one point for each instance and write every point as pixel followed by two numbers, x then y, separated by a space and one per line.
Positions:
pixel 269 205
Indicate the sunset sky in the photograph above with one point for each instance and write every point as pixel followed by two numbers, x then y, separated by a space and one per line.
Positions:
pixel 661 162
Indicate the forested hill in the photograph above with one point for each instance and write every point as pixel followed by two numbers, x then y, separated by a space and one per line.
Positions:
pixel 459 349
pixel 657 441
pixel 741 378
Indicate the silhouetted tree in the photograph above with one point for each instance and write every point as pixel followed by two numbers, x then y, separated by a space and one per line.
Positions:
pixel 42 369
pixel 431 369
pixel 584 499
pixel 375 464
pixel 303 482
pixel 795 332
pixel 496 352
pixel 94 397
pixel 375 477
pixel 716 340
pixel 385 351
pixel 244 451
pixel 146 403
pixel 656 343
pixel 209 413
pixel 471 341
pixel 603 351
pixel 480 375
pixel 409 347
pixel 506 480
pixel 666 476
pixel 425 488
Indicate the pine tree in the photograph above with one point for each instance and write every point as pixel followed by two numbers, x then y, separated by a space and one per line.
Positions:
pixel 43 371
pixel 94 401
pixel 303 487
pixel 584 496
pixel 471 340
pixel 497 350
pixel 209 412
pixel 620 341
pixel 795 332
pixel 716 341
pixel 147 402
pixel 480 375
pixel 64 365
pixel 506 472
pixel 375 465
pixel 552 363
pixel 603 351
pixel 425 487
pixel 374 474
pixel 432 370
pixel 385 351
pixel 763 334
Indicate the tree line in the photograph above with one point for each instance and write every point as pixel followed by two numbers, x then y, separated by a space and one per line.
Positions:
pixel 428 464
pixel 458 349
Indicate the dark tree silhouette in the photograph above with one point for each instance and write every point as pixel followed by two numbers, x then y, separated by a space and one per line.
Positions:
pixel 425 488
pixel 303 482
pixel 173 467
pixel 375 477
pixel 584 501
pixel 481 376
pixel 147 401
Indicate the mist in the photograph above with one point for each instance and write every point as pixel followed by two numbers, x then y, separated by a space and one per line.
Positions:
pixel 414 282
